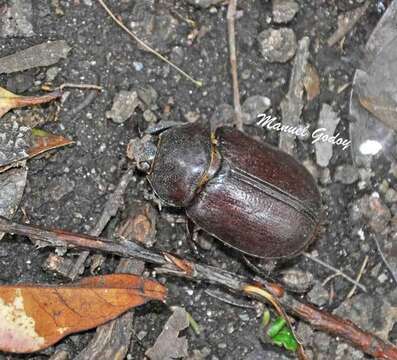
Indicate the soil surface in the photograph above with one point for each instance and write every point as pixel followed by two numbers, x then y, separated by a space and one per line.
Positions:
pixel 68 188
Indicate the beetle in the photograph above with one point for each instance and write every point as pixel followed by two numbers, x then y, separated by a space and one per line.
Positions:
pixel 248 194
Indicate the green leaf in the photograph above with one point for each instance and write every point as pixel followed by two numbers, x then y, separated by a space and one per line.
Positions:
pixel 276 327
pixel 286 338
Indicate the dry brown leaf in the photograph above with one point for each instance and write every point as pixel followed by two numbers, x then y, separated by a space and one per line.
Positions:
pixel 34 317
pixel 43 141
pixel 311 82
pixel 9 100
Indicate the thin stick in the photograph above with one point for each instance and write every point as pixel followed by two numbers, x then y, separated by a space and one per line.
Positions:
pixel 81 86
pixel 337 271
pixel 385 260
pixel 147 47
pixel 170 265
pixel 364 264
pixel 231 16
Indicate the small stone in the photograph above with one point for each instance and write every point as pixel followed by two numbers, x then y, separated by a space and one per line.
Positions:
pixel 141 335
pixel 318 295
pixel 20 82
pixel 16 22
pixel 297 280
pixel 223 116
pixel 52 73
pixel 284 10
pixel 243 316
pixel 382 278
pixel 149 116
pixel 374 210
pixel 328 120
pixel 346 174
pixel 124 106
pixel 277 45
pixel 148 95
pixel 246 74
pixel 205 242
pixel 177 55
pixel 138 66
pixel 253 106
pixel 391 196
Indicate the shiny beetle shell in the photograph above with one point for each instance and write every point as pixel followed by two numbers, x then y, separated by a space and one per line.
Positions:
pixel 252 196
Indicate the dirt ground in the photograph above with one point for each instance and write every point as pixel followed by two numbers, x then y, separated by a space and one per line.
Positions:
pixel 69 188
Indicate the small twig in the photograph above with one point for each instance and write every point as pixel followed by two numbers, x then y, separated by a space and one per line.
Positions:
pixel 337 271
pixel 147 47
pixel 81 86
pixel 170 265
pixel 382 255
pixel 329 278
pixel 360 273
pixel 110 210
pixel 228 301
pixel 347 22
pixel 231 16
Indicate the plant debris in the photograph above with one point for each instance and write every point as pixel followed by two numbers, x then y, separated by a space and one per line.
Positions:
pixel 45 54
pixel 9 100
pixel 35 317
pixel 169 345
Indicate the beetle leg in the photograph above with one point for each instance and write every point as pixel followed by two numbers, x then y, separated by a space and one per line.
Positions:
pixel 191 231
pixel 263 269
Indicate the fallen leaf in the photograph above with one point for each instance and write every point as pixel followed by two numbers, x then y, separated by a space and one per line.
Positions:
pixel 41 141
pixel 34 317
pixel 9 100
pixel 44 141
pixel 311 82
pixel 169 345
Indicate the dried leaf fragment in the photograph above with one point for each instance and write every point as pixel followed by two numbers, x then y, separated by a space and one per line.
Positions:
pixel 311 82
pixel 44 141
pixel 34 317
pixel 9 100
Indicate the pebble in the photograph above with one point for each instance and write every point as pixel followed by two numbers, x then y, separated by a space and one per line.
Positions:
pixel 318 295
pixel 16 22
pixel 148 95
pixel 20 82
pixel 223 116
pixel 297 280
pixel 328 120
pixel 374 210
pixel 138 66
pixel 253 106
pixel 124 105
pixel 391 196
pixel 284 10
pixel 346 174
pixel 149 116
pixel 277 45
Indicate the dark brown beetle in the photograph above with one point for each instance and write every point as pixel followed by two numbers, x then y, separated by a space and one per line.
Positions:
pixel 251 196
